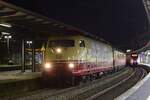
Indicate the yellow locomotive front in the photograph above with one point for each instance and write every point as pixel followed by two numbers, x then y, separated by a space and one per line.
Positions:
pixel 62 55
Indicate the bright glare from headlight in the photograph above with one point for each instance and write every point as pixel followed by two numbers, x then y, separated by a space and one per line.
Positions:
pixel 48 65
pixel 58 50
pixel 71 65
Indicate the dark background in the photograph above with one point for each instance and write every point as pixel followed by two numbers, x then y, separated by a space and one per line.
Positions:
pixel 120 22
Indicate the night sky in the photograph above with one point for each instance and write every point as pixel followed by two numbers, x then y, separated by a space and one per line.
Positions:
pixel 117 21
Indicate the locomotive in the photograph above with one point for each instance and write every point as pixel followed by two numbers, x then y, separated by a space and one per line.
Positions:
pixel 134 57
pixel 74 58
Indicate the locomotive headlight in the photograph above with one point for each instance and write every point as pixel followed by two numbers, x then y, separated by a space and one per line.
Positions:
pixel 71 65
pixel 58 50
pixel 48 65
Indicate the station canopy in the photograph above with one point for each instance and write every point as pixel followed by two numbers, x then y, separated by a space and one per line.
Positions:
pixel 21 22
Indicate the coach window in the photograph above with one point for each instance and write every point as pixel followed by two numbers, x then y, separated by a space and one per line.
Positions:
pixel 81 43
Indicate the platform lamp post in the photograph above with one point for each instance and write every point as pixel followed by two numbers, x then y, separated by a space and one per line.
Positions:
pixel 29 43
pixel 8 37
pixel 33 54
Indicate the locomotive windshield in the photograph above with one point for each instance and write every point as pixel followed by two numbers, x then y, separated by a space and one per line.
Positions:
pixel 61 43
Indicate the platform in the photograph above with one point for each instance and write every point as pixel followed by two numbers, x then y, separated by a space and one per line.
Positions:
pixel 15 82
pixel 15 75
pixel 141 91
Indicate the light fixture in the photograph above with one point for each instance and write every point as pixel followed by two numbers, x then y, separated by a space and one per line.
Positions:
pixel 29 42
pixel 5 25
pixel 8 37
pixel 5 33
pixel 128 50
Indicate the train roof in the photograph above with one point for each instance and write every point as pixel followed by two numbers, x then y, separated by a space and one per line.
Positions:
pixel 86 35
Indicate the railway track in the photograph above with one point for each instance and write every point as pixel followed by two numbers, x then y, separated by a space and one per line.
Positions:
pixel 55 92
pixel 91 90
pixel 115 90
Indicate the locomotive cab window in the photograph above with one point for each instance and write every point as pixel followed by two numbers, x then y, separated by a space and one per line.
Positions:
pixel 61 43
pixel 81 43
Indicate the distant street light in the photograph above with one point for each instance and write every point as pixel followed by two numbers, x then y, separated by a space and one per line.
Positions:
pixel 8 37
